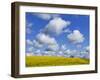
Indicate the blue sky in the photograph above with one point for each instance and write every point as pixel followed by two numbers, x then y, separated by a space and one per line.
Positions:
pixel 49 31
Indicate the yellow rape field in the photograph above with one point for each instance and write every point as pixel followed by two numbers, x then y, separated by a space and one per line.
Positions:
pixel 39 61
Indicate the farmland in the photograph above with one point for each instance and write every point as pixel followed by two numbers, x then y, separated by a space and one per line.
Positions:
pixel 38 61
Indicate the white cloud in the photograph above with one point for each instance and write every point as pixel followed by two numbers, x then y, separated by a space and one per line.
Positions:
pixel 29 42
pixel 30 49
pixel 47 16
pixel 84 54
pixel 29 27
pixel 29 54
pixel 29 24
pixel 44 16
pixel 46 39
pixel 63 47
pixel 76 37
pixel 37 44
pixel 50 53
pixel 67 31
pixel 87 48
pixel 76 53
pixel 56 26
pixel 38 51
pixel 68 51
pixel 53 47
pixel 61 53
pixel 73 53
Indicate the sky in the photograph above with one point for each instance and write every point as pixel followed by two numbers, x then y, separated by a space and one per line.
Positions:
pixel 57 34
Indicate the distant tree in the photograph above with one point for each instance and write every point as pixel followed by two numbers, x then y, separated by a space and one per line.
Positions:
pixel 72 56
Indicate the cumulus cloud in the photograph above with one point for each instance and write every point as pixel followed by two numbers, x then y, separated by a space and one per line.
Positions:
pixel 67 31
pixel 72 53
pixel 38 51
pixel 46 44
pixel 29 24
pixel 29 54
pixel 47 16
pixel 87 48
pixel 56 26
pixel 37 44
pixel 29 42
pixel 68 51
pixel 30 49
pixel 63 47
pixel 50 53
pixel 53 47
pixel 46 39
pixel 29 27
pixel 76 53
pixel 44 16
pixel 76 37
pixel 84 54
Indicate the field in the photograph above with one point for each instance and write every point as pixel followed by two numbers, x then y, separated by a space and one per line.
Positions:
pixel 36 61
